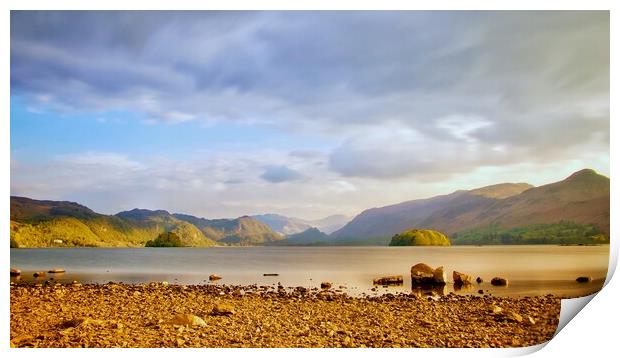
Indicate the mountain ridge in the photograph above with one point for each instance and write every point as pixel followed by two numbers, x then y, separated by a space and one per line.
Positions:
pixel 582 197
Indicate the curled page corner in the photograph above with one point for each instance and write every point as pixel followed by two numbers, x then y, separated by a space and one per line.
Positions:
pixel 570 307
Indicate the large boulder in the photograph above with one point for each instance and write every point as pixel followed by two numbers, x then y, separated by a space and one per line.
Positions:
pixel 423 274
pixel 461 279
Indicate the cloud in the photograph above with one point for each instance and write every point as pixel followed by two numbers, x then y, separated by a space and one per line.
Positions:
pixel 280 173
pixel 385 97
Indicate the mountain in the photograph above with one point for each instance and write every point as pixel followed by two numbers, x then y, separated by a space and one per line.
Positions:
pixel 44 223
pixel 282 224
pixel 330 224
pixel 242 231
pixel 290 225
pixel 582 198
pixel 312 236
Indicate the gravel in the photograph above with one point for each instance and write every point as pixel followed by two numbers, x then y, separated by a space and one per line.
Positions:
pixel 122 315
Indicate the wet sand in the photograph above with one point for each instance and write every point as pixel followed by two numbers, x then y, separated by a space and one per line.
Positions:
pixel 122 315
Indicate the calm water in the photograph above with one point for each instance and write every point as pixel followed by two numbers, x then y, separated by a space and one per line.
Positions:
pixel 531 270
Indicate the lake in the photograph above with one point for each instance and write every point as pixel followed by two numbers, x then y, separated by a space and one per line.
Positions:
pixel 531 270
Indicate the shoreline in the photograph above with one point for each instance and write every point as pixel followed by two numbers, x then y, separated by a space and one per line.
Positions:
pixel 142 315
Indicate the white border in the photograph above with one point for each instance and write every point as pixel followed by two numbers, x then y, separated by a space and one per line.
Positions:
pixel 591 332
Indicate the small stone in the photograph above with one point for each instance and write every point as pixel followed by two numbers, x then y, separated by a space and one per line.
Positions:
pixel 187 320
pixel 38 274
pixel 15 272
pixel 81 321
pixel 222 309
pixel 56 270
pixel 478 279
pixel 214 277
pixel 326 285
pixel 495 309
pixel 583 279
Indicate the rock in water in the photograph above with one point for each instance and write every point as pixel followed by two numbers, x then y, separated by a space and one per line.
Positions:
pixel 214 277
pixel 56 270
pixel 498 281
pixel 439 277
pixel 423 274
pixel 38 274
pixel 388 280
pixel 15 272
pixel 461 278
pixel 583 279
pixel 479 279
pixel 222 309
pixel 187 320
pixel 326 285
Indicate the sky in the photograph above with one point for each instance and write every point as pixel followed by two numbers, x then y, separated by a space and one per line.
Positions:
pixel 306 114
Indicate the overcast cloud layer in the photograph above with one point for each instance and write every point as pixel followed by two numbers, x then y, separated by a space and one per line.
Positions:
pixel 401 105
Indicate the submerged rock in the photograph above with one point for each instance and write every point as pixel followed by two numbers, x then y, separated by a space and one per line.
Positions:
pixel 388 280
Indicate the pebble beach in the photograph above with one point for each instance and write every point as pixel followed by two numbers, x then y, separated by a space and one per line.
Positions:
pixel 164 315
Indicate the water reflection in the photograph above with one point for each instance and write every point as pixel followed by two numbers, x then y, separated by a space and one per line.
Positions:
pixel 429 290
pixel 463 287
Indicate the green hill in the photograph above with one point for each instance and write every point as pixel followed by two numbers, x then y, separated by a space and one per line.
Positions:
pixel 45 223
pixel 311 236
pixel 415 237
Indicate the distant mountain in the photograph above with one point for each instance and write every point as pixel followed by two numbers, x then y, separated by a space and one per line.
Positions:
pixel 290 225
pixel 331 223
pixel 242 231
pixel 582 198
pixel 43 223
pixel 312 236
pixel 282 224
